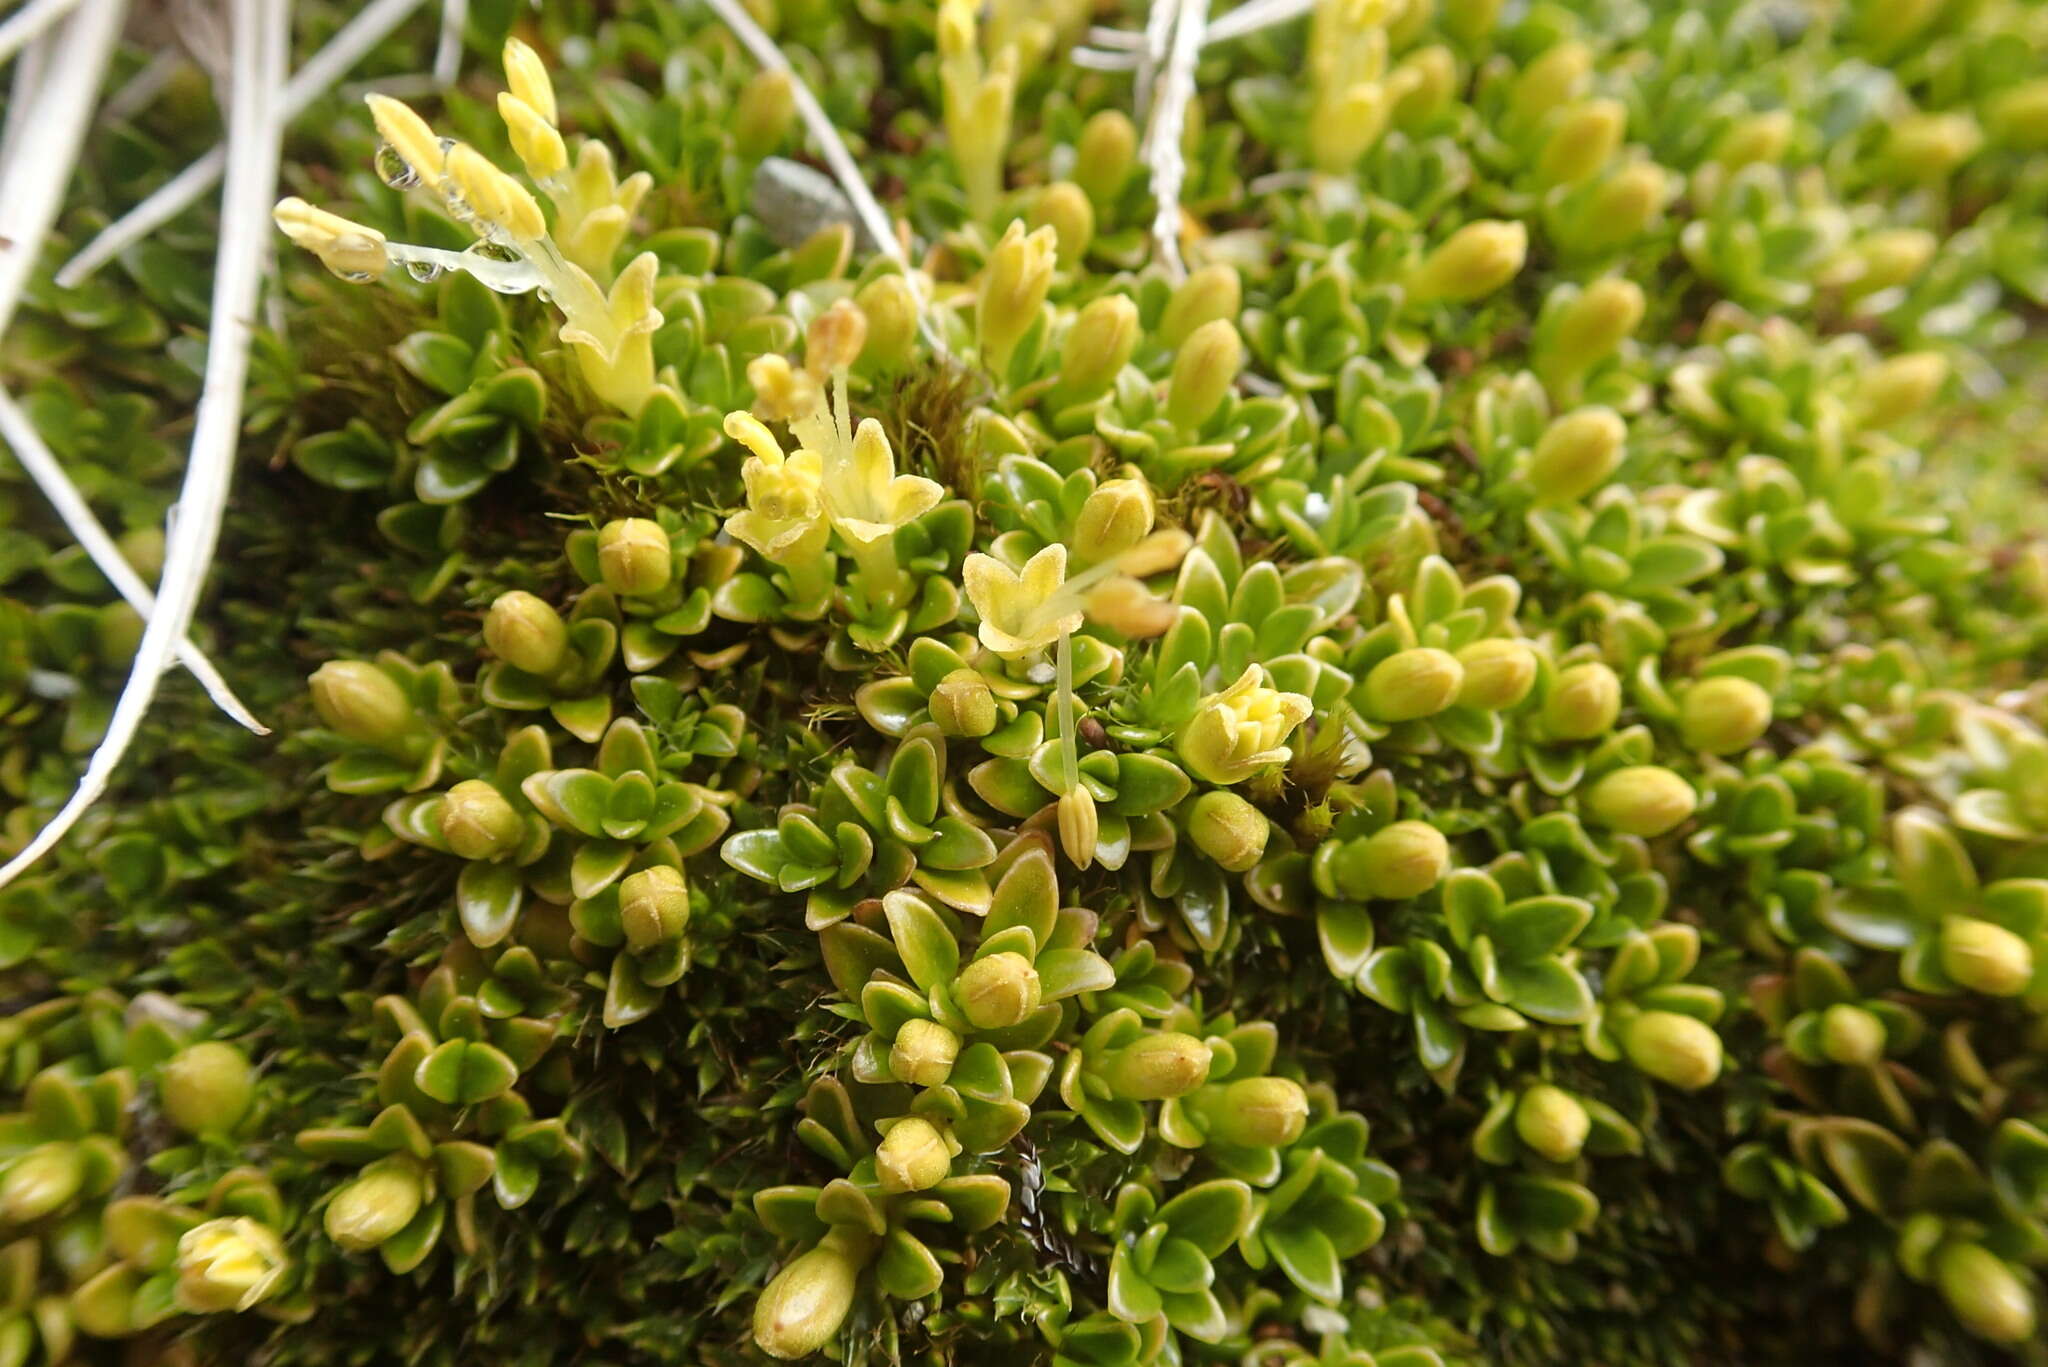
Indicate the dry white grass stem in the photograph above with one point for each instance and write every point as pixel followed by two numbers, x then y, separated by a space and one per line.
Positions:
pixel 256 118
pixel 43 467
pixel 320 73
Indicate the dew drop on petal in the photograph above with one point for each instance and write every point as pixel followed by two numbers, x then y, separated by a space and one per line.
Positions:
pixel 393 169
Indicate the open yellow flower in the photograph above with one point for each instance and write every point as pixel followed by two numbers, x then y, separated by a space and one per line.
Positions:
pixel 785 514
pixel 1241 730
pixel 228 1264
pixel 868 500
pixel 1022 611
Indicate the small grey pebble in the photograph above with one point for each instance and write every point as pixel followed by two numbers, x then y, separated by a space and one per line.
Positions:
pixel 793 201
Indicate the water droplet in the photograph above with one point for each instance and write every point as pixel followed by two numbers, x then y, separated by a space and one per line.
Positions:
pixel 356 277
pixel 498 267
pixel 426 272
pixel 393 169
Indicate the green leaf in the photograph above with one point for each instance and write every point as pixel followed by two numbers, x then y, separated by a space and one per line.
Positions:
pixel 488 898
pixel 463 1072
pixel 1549 990
pixel 1308 1258
pixel 928 949
pixel 1209 1215
pixel 1870 1161
pixel 1536 927
pixel 1131 1297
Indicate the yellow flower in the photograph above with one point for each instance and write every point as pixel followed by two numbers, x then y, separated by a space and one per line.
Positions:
pixel 1021 611
pixel 1241 730
pixel 785 514
pixel 229 1264
pixel 867 498
pixel 614 336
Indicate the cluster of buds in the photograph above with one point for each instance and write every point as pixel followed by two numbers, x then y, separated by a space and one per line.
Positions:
pixel 608 321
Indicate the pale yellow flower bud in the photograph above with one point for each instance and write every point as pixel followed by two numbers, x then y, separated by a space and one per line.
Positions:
pixel 2018 116
pixel 1229 830
pixel 206 1088
pixel 1551 1121
pixel 1013 290
pixel 1851 1035
pixel 348 249
pixel 494 197
pixel 1430 81
pixel 1583 702
pixel 1577 454
pixel 360 701
pixel 408 135
pixel 764 113
pixel 527 76
pixel 1116 517
pixel 1161 1065
pixel 1476 260
pixel 1622 207
pixel 964 705
pixel 1589 329
pixel 1672 1048
pixel 1559 74
pixel 1754 138
pixel 913 1156
pixel 1985 958
pixel 1643 799
pixel 997 991
pixel 1080 826
pixel 634 557
pixel 477 821
pixel 1098 346
pixel 40 1182
pixel 1584 140
pixel 1899 387
pixel 890 306
pixel 1891 258
pixel 1498 674
pixel 537 143
pixel 1208 294
pixel 526 633
pixel 1104 155
pixel 654 907
pixel 376 1205
pixel 1403 860
pixel 923 1053
pixel 1203 373
pixel 1255 1112
pixel 803 1307
pixel 1931 146
pixel 1063 206
pixel 1723 714
pixel 1412 684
